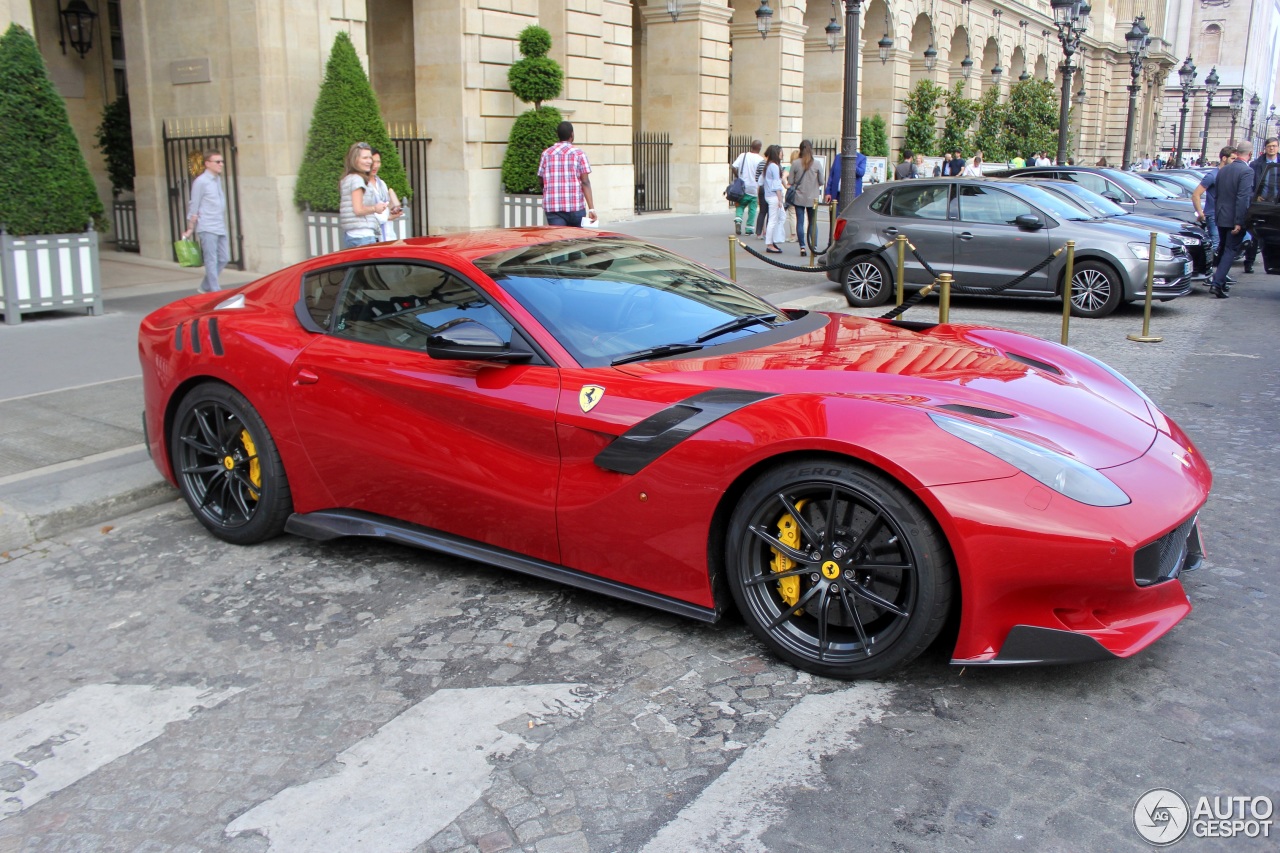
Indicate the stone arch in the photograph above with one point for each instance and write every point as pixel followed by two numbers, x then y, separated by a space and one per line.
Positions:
pixel 922 36
pixel 990 59
pixel 1210 45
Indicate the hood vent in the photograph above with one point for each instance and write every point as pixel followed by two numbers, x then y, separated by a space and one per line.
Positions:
pixel 975 411
pixel 1032 362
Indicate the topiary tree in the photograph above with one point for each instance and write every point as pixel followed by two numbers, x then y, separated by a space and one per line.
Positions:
pixel 534 79
pixel 115 141
pixel 989 136
pixel 1031 116
pixel 922 108
pixel 45 185
pixel 873 136
pixel 346 112
pixel 961 113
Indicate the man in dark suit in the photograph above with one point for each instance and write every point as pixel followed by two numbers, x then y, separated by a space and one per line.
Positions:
pixel 1266 187
pixel 1234 191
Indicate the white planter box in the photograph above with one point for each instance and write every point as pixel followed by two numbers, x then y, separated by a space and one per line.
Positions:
pixel 520 210
pixel 325 236
pixel 49 272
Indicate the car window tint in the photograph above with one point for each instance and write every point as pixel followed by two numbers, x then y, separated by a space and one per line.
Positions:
pixel 927 202
pixel 401 304
pixel 881 205
pixel 990 206
pixel 320 293
pixel 1091 182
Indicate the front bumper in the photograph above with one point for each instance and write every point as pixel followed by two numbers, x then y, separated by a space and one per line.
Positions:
pixel 1171 279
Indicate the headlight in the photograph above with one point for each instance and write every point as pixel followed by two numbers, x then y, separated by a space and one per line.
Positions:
pixel 1141 250
pixel 1060 473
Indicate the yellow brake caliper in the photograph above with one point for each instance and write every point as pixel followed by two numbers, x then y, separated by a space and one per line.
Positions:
pixel 255 467
pixel 789 535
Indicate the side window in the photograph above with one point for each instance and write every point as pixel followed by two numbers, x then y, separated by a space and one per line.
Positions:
pixel 927 202
pixel 320 292
pixel 990 206
pixel 400 305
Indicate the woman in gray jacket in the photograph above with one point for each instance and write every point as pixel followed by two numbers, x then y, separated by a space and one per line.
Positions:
pixel 808 180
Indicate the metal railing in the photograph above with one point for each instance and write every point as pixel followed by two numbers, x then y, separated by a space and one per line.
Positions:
pixel 412 147
pixel 651 153
pixel 124 222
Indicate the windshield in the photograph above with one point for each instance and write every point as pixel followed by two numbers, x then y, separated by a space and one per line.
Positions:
pixel 1137 186
pixel 1099 205
pixel 605 299
pixel 1051 202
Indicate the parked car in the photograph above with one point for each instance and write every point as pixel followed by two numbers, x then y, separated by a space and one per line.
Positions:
pixel 1264 222
pixel 1124 188
pixel 1192 236
pixel 1179 184
pixel 986 232
pixel 588 408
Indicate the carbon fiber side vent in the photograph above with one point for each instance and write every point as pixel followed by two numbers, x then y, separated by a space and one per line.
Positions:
pixel 1032 362
pixel 975 411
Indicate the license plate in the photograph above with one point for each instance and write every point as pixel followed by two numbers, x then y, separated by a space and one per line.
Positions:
pixel 1186 267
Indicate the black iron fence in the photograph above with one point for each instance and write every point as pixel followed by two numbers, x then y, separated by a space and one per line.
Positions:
pixel 412 147
pixel 827 148
pixel 739 143
pixel 185 141
pixel 124 222
pixel 651 153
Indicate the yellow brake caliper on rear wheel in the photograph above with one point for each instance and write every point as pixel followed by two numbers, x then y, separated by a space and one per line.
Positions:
pixel 789 535
pixel 255 467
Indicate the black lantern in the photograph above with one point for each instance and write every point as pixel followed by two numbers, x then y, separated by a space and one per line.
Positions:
pixel 1254 103
pixel 1071 18
pixel 764 17
pixel 930 57
pixel 1186 77
pixel 75 25
pixel 1210 89
pixel 833 34
pixel 966 66
pixel 1236 102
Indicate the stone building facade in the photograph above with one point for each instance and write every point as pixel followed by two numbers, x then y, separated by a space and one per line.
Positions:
pixel 695 70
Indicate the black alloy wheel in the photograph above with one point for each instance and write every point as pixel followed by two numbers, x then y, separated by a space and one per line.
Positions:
pixel 1095 289
pixel 867 282
pixel 227 466
pixel 837 569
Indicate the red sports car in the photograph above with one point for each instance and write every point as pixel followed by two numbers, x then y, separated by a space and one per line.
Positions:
pixel 590 408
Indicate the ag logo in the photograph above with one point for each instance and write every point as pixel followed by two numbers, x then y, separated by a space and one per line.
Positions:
pixel 589 396
pixel 1161 817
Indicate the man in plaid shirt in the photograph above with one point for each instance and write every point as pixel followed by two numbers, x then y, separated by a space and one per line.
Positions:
pixel 566 189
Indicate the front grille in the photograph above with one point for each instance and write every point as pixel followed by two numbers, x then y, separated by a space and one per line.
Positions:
pixel 1166 557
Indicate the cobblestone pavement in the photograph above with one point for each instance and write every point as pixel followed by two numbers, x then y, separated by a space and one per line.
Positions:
pixel 172 693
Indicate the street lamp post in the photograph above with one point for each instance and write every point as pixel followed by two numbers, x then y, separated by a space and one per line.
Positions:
pixel 1210 89
pixel 1271 119
pixel 1254 103
pixel 1186 76
pixel 1236 102
pixel 1071 17
pixel 849 140
pixel 1137 42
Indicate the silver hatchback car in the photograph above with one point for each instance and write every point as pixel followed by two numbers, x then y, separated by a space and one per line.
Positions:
pixel 986 232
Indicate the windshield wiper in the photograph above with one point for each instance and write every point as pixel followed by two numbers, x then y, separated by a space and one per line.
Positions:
pixel 736 324
pixel 655 352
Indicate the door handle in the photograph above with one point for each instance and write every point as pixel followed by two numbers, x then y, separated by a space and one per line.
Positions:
pixel 305 377
pixel 965 235
pixel 892 232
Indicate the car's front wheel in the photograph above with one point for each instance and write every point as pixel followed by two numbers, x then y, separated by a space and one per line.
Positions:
pixel 1095 289
pixel 227 466
pixel 837 569
pixel 867 282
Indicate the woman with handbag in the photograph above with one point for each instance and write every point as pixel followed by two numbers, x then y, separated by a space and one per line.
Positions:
pixel 807 181
pixel 776 230
pixel 358 215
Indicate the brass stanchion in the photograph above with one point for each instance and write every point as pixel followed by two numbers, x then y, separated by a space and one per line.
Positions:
pixel 831 224
pixel 1146 337
pixel 1066 290
pixel 901 240
pixel 944 307
pixel 812 228
pixel 733 258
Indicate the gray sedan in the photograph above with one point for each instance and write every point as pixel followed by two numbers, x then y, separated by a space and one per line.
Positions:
pixel 987 232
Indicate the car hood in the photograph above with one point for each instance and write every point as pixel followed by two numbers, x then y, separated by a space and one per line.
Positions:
pixel 1119 229
pixel 1022 385
pixel 1149 223
pixel 1179 207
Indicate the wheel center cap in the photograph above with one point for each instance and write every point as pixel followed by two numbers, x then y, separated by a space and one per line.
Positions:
pixel 831 570
pixel 228 463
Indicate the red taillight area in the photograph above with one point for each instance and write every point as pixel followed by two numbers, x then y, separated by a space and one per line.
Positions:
pixel 840 223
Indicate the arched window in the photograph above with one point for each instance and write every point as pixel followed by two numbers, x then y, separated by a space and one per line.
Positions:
pixel 1210 44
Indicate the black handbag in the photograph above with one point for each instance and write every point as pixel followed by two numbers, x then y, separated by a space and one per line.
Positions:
pixel 735 191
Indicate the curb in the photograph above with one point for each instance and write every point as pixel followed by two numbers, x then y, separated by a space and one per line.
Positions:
pixel 54 501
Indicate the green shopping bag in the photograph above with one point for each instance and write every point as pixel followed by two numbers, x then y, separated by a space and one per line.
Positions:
pixel 188 252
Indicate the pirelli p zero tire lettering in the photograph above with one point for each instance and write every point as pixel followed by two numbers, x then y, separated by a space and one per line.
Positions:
pixel 867 282
pixel 227 466
pixel 837 569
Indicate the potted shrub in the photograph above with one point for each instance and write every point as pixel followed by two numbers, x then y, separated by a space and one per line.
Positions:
pixel 49 206
pixel 346 111
pixel 533 79
pixel 115 141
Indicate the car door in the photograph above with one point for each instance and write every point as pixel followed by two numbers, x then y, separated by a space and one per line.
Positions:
pixel 920 210
pixel 462 446
pixel 1264 217
pixel 990 249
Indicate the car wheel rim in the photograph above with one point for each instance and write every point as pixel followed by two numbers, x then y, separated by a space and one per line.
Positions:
pixel 218 464
pixel 829 572
pixel 1090 290
pixel 865 281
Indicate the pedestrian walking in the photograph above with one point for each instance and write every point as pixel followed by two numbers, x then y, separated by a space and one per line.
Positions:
pixel 358 210
pixel 208 219
pixel 833 182
pixel 745 168
pixel 1234 193
pixel 907 168
pixel 808 181
pixel 776 230
pixel 1206 211
pixel 566 186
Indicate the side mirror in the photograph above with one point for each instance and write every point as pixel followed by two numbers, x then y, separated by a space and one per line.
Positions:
pixel 467 340
pixel 1028 222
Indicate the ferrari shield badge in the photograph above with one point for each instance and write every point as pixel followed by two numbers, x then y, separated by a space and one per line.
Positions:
pixel 589 396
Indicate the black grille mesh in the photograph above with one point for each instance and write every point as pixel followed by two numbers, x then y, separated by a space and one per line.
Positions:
pixel 1161 559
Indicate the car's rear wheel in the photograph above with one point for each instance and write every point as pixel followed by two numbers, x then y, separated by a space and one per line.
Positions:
pixel 1095 289
pixel 867 282
pixel 227 466
pixel 837 570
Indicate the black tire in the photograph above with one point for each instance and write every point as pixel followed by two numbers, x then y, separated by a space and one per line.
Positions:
pixel 228 467
pixel 867 282
pixel 1096 289
pixel 873 573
